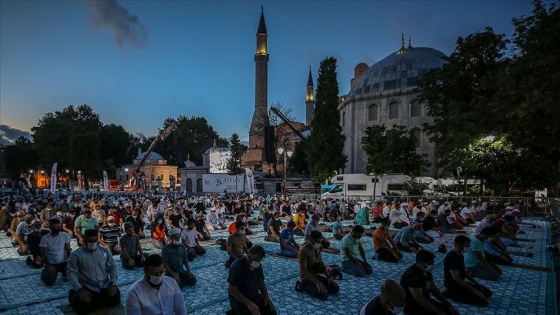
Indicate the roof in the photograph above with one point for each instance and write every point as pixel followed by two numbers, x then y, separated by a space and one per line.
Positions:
pixel 262 24
pixel 400 70
pixel 152 156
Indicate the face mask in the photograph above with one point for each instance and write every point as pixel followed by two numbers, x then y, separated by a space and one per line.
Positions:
pixel 160 221
pixel 156 280
pixel 91 246
pixel 398 310
pixel 37 229
pixel 255 264
pixel 176 242
pixel 317 246
pixel 242 232
pixel 429 268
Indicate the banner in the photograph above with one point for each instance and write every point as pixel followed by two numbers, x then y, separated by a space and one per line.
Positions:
pixel 80 183
pixel 105 181
pixel 250 180
pixel 53 178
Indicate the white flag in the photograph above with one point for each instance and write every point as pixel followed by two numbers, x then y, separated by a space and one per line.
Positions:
pixel 53 178
pixel 105 181
pixel 250 179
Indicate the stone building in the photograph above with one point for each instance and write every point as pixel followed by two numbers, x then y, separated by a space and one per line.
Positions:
pixel 191 177
pixel 159 175
pixel 385 94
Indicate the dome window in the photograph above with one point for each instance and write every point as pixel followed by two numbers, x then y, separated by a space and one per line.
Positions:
pixel 393 110
pixel 415 109
pixel 373 112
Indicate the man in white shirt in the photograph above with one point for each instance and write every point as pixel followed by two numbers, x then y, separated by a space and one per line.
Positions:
pixel 155 293
pixel 55 250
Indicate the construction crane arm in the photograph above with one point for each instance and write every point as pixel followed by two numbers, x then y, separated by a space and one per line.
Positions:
pixel 288 122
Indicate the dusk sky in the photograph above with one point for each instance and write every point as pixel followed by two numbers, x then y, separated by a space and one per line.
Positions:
pixel 137 63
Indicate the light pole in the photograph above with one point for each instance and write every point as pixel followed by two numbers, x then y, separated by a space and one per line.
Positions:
pixel 287 153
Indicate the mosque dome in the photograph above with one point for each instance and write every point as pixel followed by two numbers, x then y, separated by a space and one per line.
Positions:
pixel 152 156
pixel 400 71
pixel 189 164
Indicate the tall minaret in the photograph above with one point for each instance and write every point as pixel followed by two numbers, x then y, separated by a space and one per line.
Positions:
pixel 260 116
pixel 309 100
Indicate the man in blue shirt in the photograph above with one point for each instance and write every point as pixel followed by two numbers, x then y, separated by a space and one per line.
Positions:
pixel 288 245
pixel 478 264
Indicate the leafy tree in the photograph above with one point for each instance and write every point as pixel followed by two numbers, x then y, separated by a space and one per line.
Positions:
pixel 392 151
pixel 237 149
pixel 324 148
pixel 54 131
pixel 192 138
pixel 20 158
pixel 297 163
pixel 84 155
pixel 415 187
pixel 116 145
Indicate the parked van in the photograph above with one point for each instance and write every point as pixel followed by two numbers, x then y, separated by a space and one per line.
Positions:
pixel 349 185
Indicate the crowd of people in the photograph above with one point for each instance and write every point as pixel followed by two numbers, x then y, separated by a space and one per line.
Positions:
pixel 105 225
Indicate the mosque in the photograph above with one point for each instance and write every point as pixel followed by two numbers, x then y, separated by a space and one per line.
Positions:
pixel 381 94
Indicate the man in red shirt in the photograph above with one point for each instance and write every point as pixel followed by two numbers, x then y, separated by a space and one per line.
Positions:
pixel 377 212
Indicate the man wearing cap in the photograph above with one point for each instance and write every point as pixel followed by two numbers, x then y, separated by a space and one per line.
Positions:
pixel 82 223
pixel 33 240
pixel 155 293
pixel 55 250
pixel 92 276
pixel 390 301
pixel 131 250
pixel 176 260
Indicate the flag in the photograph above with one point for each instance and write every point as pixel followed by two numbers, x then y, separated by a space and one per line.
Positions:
pixel 250 179
pixel 53 178
pixel 105 181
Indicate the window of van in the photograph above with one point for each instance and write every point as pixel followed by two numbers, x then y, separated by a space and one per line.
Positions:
pixel 337 188
pixel 356 187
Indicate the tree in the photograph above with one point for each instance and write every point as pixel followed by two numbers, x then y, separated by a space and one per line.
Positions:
pixel 20 158
pixel 392 151
pixel 297 162
pixel 116 144
pixel 192 138
pixel 84 155
pixel 324 148
pixel 53 132
pixel 233 165
pixel 415 187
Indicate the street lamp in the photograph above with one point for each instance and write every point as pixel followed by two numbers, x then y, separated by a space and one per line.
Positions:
pixel 287 153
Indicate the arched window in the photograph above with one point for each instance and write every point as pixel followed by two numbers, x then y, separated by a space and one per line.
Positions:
pixel 188 185
pixel 417 134
pixel 393 112
pixel 199 185
pixel 415 109
pixel 373 112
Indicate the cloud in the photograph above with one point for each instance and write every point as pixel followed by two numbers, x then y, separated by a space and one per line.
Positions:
pixel 126 28
pixel 8 135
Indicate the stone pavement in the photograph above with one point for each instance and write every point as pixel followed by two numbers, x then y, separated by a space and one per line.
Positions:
pixel 520 291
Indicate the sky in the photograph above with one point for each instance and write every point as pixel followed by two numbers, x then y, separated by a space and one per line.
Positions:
pixel 137 63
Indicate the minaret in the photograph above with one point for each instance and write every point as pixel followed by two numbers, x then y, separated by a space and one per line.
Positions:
pixel 309 100
pixel 260 115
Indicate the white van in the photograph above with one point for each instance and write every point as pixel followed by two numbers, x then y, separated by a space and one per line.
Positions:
pixel 362 185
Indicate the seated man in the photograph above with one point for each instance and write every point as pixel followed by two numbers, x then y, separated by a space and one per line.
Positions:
pixel 33 243
pixel 213 222
pixel 92 276
pixel 377 213
pixel 350 248
pixel 109 235
pixel 55 250
pixel 236 244
pixel 176 261
pixel 68 222
pixel 311 268
pixel 406 241
pixel 384 246
pixel 362 216
pixel 288 245
pixel 155 293
pixel 274 226
pixel 455 275
pixel 398 218
pixel 443 223
pixel 467 215
pixel 504 229
pixel 246 287
pixel 419 286
pixel 391 294
pixel 23 229
pixel 419 234
pixel 338 233
pixel 175 219
pixel 299 220
pixel 312 226
pixel 189 237
pixel 430 225
pixel 137 221
pixel 131 250
pixel 478 264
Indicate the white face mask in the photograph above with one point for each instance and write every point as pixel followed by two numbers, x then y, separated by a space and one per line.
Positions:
pixel 156 280
pixel 91 246
pixel 242 232
pixel 160 221
pixel 176 242
pixel 255 264
pixel 429 268
pixel 398 310
pixel 317 246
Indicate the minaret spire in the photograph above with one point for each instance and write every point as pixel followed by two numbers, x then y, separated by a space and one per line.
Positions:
pixel 309 100
pixel 402 50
